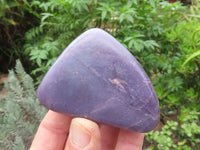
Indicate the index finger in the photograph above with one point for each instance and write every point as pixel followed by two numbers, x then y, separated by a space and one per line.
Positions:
pixel 52 132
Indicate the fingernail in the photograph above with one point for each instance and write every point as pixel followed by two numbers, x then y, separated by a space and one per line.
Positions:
pixel 79 136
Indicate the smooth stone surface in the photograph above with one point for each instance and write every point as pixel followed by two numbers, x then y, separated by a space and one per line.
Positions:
pixel 97 78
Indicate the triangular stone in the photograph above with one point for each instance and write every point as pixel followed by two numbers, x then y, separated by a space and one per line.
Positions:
pixel 97 78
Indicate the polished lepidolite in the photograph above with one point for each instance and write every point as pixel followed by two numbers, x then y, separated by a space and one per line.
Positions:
pixel 97 78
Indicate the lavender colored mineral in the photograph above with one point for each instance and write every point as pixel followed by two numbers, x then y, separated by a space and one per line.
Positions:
pixel 97 78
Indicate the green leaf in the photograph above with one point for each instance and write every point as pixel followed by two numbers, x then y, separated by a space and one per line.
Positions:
pixel 138 45
pixel 103 15
pixel 194 42
pixel 10 21
pixel 153 2
pixel 121 18
pixel 192 56
pixel 129 18
pixel 128 39
pixel 39 61
pixel 19 144
pixel 45 16
pixel 130 44
pixel 43 54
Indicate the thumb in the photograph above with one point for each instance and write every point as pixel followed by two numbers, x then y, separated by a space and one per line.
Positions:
pixel 83 135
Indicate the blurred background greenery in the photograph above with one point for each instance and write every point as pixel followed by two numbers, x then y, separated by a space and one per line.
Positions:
pixel 164 36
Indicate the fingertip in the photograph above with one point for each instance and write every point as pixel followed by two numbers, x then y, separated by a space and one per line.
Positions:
pixel 84 134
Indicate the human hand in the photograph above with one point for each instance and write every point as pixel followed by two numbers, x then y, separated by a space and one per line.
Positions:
pixel 61 132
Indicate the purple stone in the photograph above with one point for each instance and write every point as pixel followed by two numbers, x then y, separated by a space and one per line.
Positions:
pixel 97 78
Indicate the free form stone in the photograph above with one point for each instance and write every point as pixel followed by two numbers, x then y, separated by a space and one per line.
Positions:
pixel 97 78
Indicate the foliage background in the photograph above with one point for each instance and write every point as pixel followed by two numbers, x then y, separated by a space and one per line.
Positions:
pixel 164 37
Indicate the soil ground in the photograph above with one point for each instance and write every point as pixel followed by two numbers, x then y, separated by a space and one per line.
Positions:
pixel 3 78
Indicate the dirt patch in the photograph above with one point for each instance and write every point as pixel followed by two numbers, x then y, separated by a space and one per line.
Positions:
pixel 3 79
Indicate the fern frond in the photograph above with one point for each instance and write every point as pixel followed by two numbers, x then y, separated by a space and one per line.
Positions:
pixel 20 111
pixel 192 56
pixel 32 33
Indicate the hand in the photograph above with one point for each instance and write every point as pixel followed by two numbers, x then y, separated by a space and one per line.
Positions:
pixel 61 132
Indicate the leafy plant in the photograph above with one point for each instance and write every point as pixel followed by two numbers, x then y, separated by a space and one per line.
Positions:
pixel 20 111
pixel 192 56
pixel 16 17
pixel 4 7
pixel 135 24
pixel 162 140
pixel 177 136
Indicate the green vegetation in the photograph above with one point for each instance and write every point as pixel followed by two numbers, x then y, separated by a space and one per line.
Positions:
pixel 164 37
pixel 16 18
pixel 20 111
